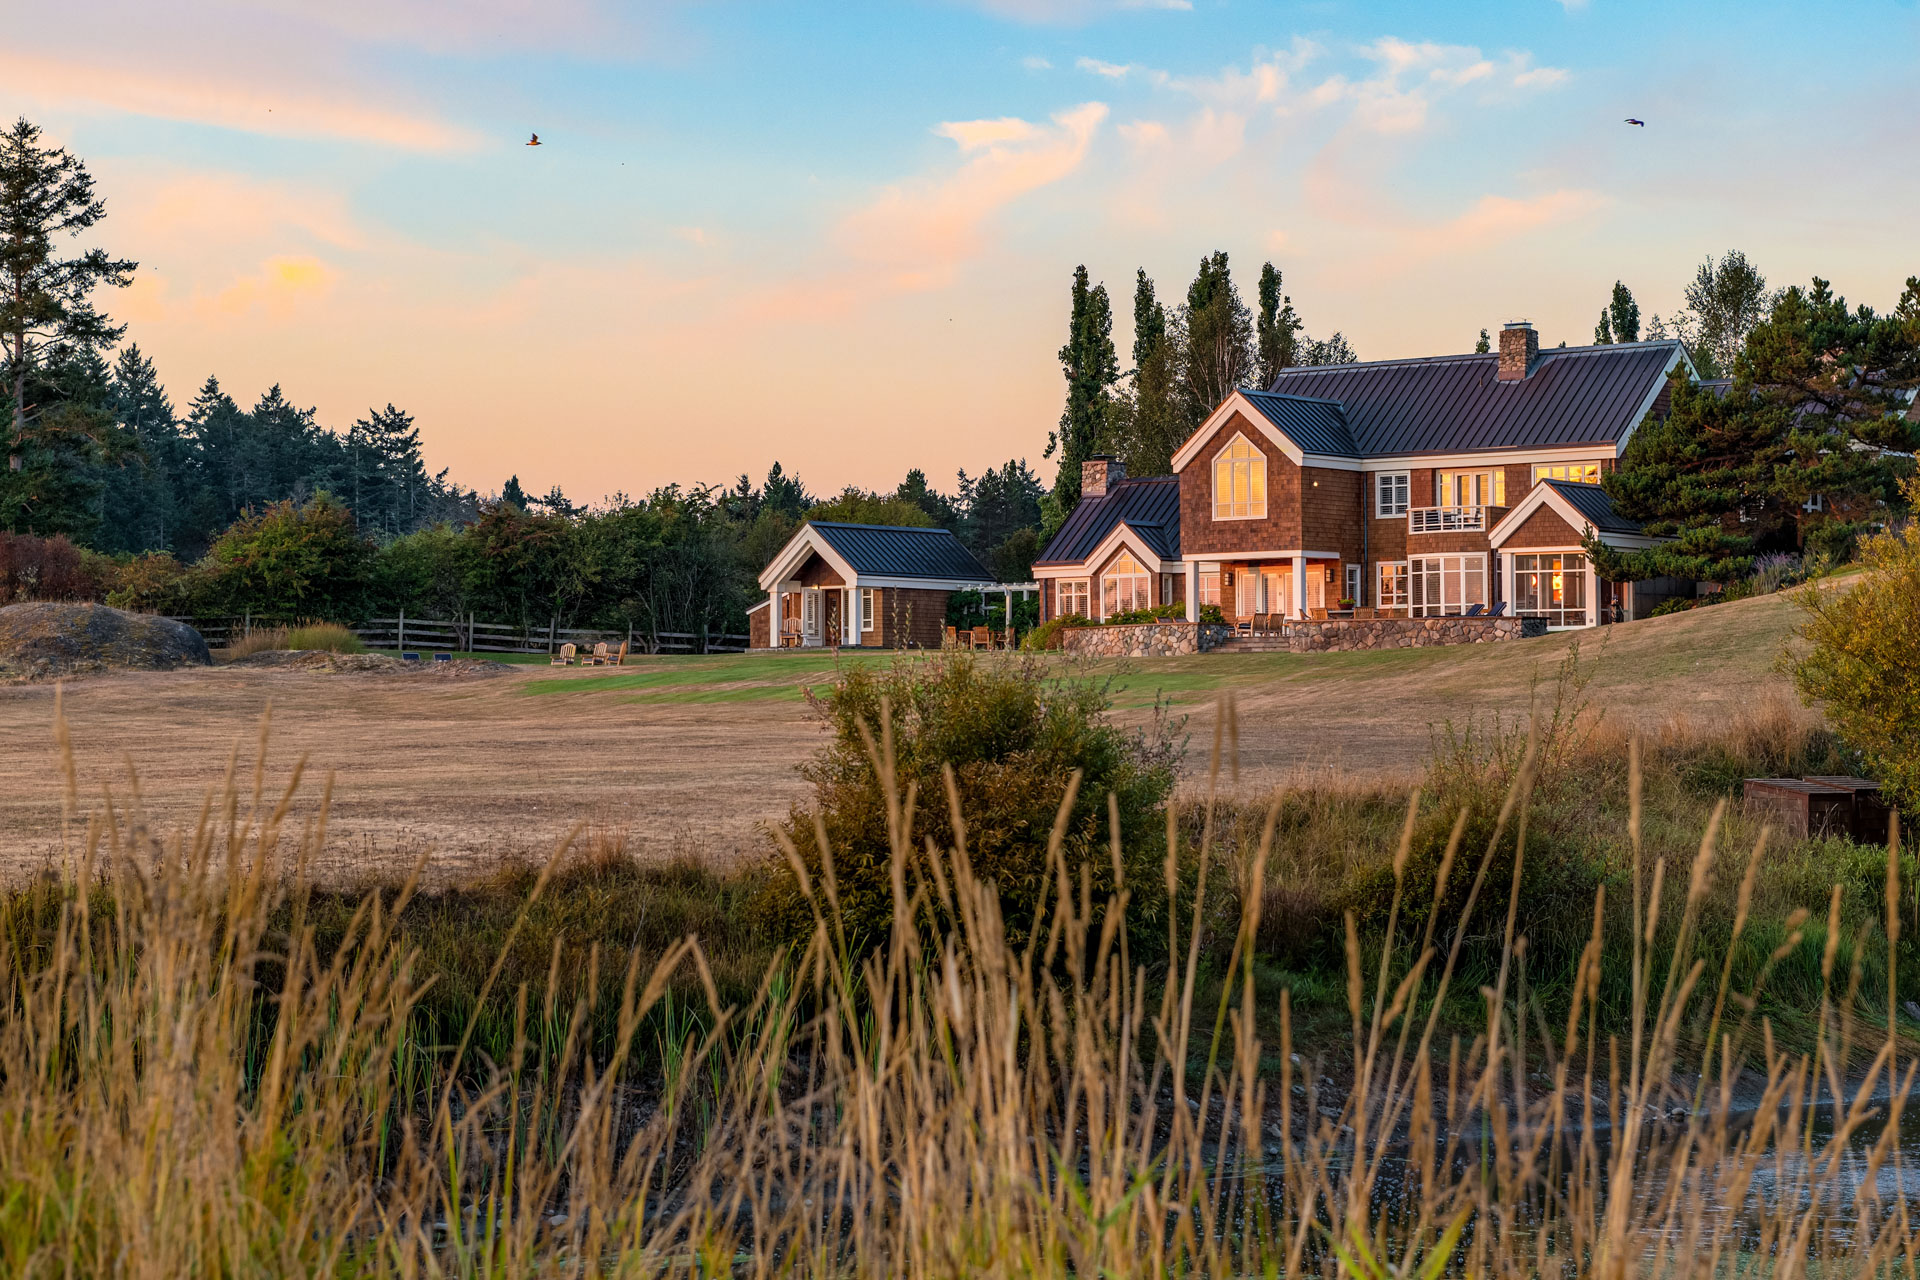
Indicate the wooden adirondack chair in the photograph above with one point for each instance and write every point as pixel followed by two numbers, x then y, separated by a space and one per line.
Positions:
pixel 564 658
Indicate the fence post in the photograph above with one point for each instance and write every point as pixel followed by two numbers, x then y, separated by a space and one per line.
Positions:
pixel 553 634
pixel 246 626
pixel 401 642
pixel 629 635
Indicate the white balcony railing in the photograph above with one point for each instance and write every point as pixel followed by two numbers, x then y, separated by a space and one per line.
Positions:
pixel 1446 520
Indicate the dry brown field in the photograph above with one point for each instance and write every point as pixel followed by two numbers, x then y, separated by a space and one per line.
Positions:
pixel 691 755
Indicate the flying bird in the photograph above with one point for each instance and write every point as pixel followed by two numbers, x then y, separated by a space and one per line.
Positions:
pixel 534 141
pixel 1641 123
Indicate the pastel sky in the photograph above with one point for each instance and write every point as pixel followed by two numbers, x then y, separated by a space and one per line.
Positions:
pixel 841 234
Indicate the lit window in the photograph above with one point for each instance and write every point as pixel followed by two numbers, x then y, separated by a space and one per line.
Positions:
pixel 1124 587
pixel 1390 494
pixel 1393 586
pixel 1553 587
pixel 1210 587
pixel 1471 488
pixel 1071 596
pixel 1583 472
pixel 1239 482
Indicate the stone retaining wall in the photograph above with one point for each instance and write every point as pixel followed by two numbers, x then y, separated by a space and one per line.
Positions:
pixel 1349 634
pixel 1144 640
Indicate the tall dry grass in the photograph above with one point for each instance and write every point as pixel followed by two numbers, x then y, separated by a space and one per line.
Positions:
pixel 188 1088
pixel 330 637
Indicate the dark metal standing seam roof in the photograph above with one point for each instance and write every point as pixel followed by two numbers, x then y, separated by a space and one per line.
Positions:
pixel 1149 505
pixel 1317 426
pixel 1456 404
pixel 1592 502
pixel 899 552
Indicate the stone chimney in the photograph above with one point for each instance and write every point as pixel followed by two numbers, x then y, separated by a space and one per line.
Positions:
pixel 1519 347
pixel 1100 473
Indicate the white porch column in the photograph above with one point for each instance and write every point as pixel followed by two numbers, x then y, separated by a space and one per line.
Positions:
pixel 1300 586
pixel 849 624
pixel 1259 589
pixel 773 617
pixel 1193 591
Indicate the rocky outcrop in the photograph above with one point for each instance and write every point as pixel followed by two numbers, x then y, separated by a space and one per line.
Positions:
pixel 42 641
pixel 1143 640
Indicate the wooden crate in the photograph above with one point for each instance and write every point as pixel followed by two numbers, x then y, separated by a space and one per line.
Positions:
pixel 1872 816
pixel 1799 808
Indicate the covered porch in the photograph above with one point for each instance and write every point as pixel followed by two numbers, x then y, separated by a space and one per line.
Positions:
pixel 1294 585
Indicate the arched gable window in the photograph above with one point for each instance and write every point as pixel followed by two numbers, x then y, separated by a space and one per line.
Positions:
pixel 1239 481
pixel 1125 586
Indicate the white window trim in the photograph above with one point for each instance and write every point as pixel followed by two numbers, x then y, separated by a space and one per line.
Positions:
pixel 1509 589
pixel 1403 483
pixel 1595 463
pixel 1082 587
pixel 867 621
pixel 1404 598
pixel 1486 585
pixel 1144 575
pixel 1213 467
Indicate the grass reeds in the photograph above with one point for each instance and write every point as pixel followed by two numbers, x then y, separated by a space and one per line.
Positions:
pixel 329 637
pixel 191 1085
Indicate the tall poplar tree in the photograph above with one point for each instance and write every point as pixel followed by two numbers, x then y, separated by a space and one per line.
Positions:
pixel 1278 329
pixel 1091 367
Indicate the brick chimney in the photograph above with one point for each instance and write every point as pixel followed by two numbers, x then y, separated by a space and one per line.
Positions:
pixel 1099 473
pixel 1519 347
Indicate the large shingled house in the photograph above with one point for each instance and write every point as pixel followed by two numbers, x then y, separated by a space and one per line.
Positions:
pixel 1439 486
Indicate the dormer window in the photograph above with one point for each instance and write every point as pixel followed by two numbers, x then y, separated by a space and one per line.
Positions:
pixel 1239 482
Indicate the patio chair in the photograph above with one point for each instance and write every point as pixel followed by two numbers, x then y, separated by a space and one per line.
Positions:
pixel 620 659
pixel 1317 615
pixel 600 655
pixel 982 638
pixel 1497 610
pixel 564 658
pixel 1361 611
pixel 953 638
pixel 1474 610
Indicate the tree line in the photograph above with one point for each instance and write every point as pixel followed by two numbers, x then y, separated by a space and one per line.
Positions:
pixel 112 492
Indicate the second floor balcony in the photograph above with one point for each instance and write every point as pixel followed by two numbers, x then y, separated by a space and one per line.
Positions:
pixel 1453 519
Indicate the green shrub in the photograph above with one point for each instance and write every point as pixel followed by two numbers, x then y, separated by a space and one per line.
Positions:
pixel 1158 613
pixel 292 561
pixel 1679 604
pixel 1014 736
pixel 1047 634
pixel 1865 651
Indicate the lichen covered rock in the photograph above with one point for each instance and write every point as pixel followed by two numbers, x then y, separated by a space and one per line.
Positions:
pixel 46 640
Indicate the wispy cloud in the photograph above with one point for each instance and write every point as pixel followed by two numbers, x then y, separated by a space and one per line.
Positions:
pixel 1497 217
pixel 1034 62
pixel 277 287
pixel 917 234
pixel 971 135
pixel 1111 70
pixel 285 108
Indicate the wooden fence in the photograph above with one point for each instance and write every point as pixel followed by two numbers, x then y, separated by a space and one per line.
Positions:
pixel 469 635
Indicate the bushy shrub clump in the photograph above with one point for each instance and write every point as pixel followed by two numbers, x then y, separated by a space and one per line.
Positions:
pixel 1013 735
pixel 1864 660
pixel 1048 634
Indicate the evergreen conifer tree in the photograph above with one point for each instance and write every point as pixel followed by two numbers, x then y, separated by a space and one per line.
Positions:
pixel 1091 367
pixel 1219 357
pixel 513 495
pixel 46 198
pixel 1623 314
pixel 1483 344
pixel 141 498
